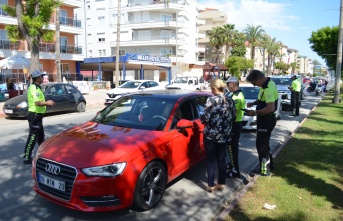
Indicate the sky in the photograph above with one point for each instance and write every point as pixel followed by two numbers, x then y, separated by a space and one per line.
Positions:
pixel 289 21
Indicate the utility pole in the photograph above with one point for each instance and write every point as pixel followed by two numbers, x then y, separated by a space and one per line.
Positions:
pixel 58 46
pixel 117 46
pixel 339 57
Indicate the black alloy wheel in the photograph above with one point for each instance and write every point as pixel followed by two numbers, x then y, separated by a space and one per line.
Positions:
pixel 150 186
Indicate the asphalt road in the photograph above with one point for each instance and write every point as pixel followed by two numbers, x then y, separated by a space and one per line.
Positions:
pixel 184 199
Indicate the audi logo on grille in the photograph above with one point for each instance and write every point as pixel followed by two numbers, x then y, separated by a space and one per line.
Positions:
pixel 51 168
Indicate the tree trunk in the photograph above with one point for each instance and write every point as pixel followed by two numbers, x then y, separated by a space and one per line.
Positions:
pixel 58 46
pixel 118 44
pixel 336 98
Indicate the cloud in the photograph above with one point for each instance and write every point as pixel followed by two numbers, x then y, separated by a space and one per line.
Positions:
pixel 257 12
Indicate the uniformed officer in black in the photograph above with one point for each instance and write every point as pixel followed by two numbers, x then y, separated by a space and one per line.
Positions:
pixel 266 104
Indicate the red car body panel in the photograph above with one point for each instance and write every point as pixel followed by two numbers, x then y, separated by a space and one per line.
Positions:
pixel 92 144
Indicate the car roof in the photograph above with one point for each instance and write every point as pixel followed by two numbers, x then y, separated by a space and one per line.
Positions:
pixel 173 94
pixel 246 85
pixel 53 83
pixel 140 80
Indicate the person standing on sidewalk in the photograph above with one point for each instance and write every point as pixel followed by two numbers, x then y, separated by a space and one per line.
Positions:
pixel 266 104
pixel 36 107
pixel 237 95
pixel 295 95
pixel 218 117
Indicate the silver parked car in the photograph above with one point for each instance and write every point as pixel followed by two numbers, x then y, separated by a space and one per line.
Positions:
pixel 251 93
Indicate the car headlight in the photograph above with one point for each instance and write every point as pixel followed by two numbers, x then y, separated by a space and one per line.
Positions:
pixel 22 105
pixel 111 170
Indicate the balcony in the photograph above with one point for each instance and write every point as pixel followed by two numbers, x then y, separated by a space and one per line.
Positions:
pixel 8 45
pixel 65 49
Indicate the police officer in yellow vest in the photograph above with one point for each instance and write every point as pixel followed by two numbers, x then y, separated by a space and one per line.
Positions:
pixel 295 95
pixel 36 107
pixel 237 95
pixel 266 104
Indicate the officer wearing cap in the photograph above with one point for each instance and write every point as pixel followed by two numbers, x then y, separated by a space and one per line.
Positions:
pixel 236 94
pixel 36 109
pixel 266 104
pixel 295 95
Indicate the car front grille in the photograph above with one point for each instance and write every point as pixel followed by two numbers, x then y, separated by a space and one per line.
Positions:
pixel 111 95
pixel 67 174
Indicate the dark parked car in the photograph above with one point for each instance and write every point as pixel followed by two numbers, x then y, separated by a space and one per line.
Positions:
pixel 66 97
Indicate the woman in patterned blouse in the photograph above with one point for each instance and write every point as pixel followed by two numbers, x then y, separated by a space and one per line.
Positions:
pixel 217 118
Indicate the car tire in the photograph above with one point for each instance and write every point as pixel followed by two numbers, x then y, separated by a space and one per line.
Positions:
pixel 150 186
pixel 81 107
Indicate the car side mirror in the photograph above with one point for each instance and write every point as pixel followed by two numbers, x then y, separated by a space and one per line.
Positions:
pixel 183 124
pixel 142 87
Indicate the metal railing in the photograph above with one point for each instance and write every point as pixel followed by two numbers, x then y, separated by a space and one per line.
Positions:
pixel 8 45
pixel 66 49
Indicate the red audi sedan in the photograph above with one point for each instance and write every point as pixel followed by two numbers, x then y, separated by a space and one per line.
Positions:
pixel 125 155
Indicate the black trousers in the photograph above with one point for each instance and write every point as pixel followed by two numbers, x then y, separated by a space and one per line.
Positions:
pixel 36 133
pixel 265 126
pixel 295 102
pixel 234 144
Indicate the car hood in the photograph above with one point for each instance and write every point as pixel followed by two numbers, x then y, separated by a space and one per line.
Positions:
pixel 93 144
pixel 282 87
pixel 122 90
pixel 16 100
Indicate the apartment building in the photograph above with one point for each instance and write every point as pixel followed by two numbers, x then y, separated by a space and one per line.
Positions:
pixel 70 51
pixel 150 30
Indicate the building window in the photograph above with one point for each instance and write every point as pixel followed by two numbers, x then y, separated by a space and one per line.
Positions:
pixel 101 20
pixel 142 51
pixel 165 51
pixel 102 53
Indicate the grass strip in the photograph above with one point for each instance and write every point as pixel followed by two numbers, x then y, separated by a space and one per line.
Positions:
pixel 307 183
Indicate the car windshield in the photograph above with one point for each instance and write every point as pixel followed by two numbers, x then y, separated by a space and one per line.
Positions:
pixel 130 84
pixel 250 92
pixel 138 112
pixel 282 81
pixel 180 80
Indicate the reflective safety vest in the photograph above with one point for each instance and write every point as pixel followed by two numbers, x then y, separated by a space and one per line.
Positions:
pixel 34 93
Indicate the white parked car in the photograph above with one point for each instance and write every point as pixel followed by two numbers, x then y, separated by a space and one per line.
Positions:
pixel 129 87
pixel 190 83
pixel 251 93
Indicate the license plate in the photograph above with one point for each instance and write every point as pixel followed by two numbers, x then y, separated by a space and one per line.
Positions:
pixel 7 111
pixel 54 183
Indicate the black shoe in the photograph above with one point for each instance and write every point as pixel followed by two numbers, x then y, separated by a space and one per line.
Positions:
pixel 267 174
pixel 27 161
pixel 233 174
pixel 229 166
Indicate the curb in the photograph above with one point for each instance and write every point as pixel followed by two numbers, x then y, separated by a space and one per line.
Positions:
pixel 278 147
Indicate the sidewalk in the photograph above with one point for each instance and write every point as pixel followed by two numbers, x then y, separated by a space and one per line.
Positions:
pixel 93 99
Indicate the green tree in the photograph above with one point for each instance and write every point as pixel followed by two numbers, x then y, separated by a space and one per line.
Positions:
pixel 239 48
pixel 229 34
pixel 272 47
pixel 324 43
pixel 253 35
pixel 33 17
pixel 294 66
pixel 282 66
pixel 237 65
pixel 216 39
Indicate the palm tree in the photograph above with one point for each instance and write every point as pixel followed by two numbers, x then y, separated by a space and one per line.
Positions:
pixel 229 35
pixel 294 66
pixel 216 39
pixel 272 47
pixel 253 35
